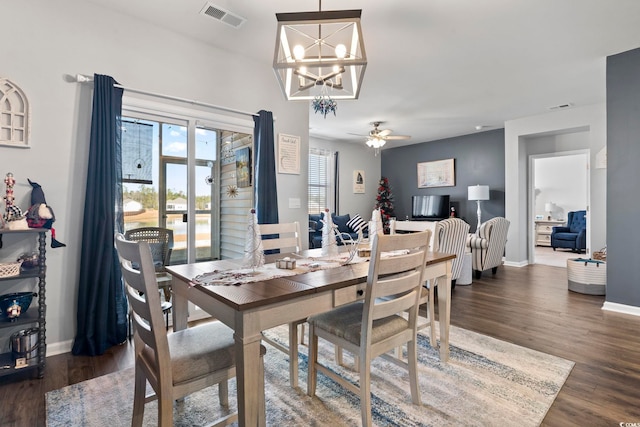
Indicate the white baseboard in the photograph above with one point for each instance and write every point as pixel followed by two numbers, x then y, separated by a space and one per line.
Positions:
pixel 59 348
pixel 621 308
pixel 516 263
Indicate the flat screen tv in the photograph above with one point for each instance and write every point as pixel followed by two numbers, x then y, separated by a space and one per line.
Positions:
pixel 430 206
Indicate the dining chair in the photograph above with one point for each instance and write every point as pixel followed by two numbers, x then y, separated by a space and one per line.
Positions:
pixel 374 327
pixel 427 294
pixel 178 363
pixel 285 237
pixel 161 243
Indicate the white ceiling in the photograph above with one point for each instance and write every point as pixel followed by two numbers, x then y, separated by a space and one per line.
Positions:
pixel 437 68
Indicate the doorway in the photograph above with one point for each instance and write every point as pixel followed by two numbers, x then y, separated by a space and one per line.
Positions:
pixel 559 183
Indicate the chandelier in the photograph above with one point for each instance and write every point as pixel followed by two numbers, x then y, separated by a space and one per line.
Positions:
pixel 316 51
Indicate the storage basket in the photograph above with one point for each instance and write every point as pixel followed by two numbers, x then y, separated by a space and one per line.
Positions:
pixel 9 269
pixel 587 276
pixel 600 255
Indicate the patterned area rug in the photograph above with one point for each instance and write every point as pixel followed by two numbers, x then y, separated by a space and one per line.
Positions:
pixel 487 382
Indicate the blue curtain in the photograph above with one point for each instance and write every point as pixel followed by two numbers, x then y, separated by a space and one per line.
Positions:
pixel 265 188
pixel 102 305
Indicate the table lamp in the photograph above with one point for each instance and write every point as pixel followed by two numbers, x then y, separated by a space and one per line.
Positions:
pixel 478 193
pixel 548 207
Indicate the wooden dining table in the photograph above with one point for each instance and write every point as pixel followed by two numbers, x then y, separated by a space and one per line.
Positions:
pixel 251 308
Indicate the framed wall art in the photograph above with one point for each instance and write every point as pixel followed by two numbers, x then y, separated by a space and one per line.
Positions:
pixel 243 167
pixel 358 181
pixel 439 173
pixel 288 154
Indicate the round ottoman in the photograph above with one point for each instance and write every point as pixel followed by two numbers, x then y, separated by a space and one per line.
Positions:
pixel 587 276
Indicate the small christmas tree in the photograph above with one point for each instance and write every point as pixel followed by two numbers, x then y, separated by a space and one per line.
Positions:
pixel 384 202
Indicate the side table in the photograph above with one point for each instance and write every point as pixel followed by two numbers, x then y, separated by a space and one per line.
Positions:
pixel 543 231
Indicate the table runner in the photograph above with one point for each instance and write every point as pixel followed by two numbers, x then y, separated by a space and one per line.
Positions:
pixel 241 276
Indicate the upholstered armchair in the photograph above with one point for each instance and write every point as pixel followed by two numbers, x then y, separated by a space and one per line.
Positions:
pixel 450 236
pixel 487 245
pixel 572 236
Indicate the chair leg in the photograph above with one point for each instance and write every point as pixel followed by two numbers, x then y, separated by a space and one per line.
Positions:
pixel 165 411
pixel 302 333
pixel 138 398
pixel 432 315
pixel 293 354
pixel 365 389
pixel 313 359
pixel 223 393
pixel 478 274
pixel 494 270
pixel 262 414
pixel 413 371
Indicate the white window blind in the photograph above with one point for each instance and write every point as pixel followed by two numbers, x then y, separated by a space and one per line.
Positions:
pixel 320 167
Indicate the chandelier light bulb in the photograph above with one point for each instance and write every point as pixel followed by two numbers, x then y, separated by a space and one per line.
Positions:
pixel 298 52
pixel 341 51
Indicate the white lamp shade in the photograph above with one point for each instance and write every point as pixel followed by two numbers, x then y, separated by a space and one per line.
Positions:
pixel 478 192
pixel 548 207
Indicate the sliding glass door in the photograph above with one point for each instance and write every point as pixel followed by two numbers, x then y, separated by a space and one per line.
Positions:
pixel 179 173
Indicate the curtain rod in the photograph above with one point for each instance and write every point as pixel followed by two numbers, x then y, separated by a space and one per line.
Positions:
pixel 81 78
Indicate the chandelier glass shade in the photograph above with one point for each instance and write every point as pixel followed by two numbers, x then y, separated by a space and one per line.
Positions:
pixel 376 143
pixel 320 50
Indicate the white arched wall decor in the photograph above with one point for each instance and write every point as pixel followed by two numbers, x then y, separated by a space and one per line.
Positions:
pixel 14 115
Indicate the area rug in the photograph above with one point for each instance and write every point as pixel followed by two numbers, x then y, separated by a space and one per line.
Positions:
pixel 486 382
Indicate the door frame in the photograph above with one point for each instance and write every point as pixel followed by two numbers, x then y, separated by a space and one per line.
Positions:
pixel 531 197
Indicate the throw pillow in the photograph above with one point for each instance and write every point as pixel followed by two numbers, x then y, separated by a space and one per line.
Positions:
pixel 341 222
pixel 357 223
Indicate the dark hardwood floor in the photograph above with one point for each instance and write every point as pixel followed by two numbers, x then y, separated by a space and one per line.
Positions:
pixel 528 306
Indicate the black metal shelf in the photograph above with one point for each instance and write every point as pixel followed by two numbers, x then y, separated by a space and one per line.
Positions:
pixel 8 365
pixel 35 315
pixel 29 318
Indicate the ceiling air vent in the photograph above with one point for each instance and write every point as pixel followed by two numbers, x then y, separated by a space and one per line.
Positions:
pixel 561 106
pixel 222 15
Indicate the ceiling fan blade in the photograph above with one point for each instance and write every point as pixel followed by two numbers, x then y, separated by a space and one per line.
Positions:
pixel 385 132
pixel 397 137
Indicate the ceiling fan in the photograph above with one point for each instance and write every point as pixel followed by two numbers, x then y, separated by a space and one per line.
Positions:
pixel 377 138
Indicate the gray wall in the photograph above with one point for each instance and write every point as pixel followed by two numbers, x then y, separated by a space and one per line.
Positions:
pixel 479 159
pixel 623 176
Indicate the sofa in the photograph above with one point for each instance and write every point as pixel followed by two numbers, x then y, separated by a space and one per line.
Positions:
pixel 572 236
pixel 348 228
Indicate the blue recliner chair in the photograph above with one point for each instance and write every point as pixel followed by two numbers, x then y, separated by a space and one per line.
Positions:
pixel 574 235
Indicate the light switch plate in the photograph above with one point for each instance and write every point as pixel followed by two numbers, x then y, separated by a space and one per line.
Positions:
pixel 294 203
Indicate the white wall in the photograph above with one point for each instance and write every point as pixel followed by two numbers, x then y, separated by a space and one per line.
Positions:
pixel 560 180
pixel 43 42
pixel 589 120
pixel 354 157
